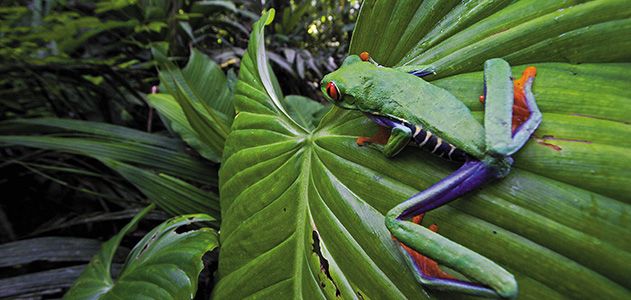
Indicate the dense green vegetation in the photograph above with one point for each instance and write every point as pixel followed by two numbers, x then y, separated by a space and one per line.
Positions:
pixel 81 73
pixel 113 108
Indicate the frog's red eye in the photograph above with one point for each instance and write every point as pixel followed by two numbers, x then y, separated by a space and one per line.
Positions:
pixel 364 56
pixel 333 91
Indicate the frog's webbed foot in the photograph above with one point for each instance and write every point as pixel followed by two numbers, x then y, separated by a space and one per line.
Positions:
pixel 511 113
pixel 427 266
pixel 491 280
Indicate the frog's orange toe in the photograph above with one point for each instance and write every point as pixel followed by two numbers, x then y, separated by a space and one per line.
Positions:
pixel 529 72
pixel 364 56
pixel 362 140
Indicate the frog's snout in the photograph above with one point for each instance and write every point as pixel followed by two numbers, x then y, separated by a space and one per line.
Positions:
pixel 323 83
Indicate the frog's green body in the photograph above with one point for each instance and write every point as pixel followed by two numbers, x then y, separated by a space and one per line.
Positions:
pixel 409 98
pixel 418 111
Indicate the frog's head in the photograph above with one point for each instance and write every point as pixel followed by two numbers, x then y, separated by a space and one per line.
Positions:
pixel 345 86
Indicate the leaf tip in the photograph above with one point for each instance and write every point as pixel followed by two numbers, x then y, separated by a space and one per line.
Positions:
pixel 270 16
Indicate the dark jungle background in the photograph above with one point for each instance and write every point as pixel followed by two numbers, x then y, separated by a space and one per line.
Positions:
pixel 92 61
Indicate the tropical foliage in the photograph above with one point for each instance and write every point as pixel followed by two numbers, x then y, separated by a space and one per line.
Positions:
pixel 157 267
pixel 138 102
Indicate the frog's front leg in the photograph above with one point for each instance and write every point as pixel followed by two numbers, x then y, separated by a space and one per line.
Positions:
pixel 491 280
pixel 398 136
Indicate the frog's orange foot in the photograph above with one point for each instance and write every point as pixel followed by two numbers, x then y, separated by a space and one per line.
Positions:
pixel 381 137
pixel 428 266
pixel 521 112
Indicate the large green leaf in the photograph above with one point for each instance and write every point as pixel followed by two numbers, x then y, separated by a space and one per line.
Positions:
pixel 302 211
pixel 174 196
pixel 160 159
pixel 173 116
pixel 102 130
pixel 148 161
pixel 163 265
pixel 305 111
pixel 204 95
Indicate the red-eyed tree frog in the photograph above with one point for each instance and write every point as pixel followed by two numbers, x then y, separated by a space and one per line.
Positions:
pixel 413 111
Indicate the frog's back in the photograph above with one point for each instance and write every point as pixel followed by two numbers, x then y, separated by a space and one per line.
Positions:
pixel 428 106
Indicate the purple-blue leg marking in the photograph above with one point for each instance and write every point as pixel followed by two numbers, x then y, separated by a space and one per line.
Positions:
pixel 481 289
pixel 470 176
pixel 422 73
pixel 385 122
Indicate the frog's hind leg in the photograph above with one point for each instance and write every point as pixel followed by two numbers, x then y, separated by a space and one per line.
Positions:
pixel 511 113
pixel 491 280
pixel 428 267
